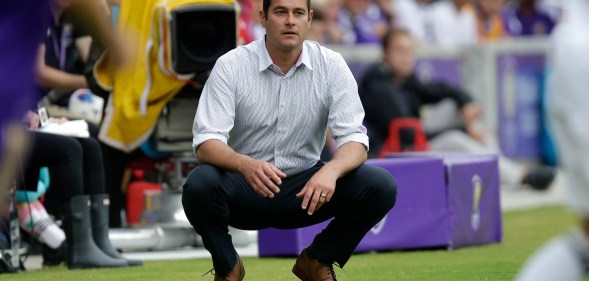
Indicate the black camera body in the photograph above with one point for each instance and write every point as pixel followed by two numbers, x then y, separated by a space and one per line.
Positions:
pixel 200 35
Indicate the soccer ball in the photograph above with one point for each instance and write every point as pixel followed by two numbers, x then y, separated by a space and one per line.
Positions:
pixel 87 105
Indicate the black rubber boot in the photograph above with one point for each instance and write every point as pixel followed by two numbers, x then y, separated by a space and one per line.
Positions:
pixel 99 215
pixel 82 251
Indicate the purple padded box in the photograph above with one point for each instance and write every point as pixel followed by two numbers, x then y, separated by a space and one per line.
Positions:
pixel 449 200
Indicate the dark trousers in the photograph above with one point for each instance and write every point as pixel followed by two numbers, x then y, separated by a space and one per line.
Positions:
pixel 115 161
pixel 214 198
pixel 75 167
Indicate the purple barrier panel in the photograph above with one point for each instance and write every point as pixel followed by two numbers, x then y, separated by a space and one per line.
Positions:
pixel 277 242
pixel 473 188
pixel 475 220
pixel 419 218
pixel 430 69
pixel 359 68
pixel 519 78
pixel 440 69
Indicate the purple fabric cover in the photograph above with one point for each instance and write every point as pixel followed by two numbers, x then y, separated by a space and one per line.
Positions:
pixel 435 207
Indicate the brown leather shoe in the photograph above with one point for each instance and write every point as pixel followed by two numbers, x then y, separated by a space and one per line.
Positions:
pixel 312 270
pixel 236 274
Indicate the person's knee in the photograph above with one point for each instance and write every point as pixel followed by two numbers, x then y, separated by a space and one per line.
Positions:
pixel 89 144
pixel 72 149
pixel 200 184
pixel 382 187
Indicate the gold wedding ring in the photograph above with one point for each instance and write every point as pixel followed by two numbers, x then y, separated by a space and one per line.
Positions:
pixel 323 195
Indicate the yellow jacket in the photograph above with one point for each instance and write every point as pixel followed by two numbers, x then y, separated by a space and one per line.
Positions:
pixel 141 89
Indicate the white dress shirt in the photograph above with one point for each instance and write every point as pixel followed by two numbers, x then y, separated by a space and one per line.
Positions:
pixel 249 104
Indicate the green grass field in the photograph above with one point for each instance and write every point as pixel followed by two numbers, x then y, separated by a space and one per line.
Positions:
pixel 523 232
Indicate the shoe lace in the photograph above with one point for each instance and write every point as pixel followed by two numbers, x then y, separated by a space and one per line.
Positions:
pixel 330 272
pixel 212 271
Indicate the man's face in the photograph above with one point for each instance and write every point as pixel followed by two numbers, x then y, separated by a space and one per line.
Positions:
pixel 399 55
pixel 287 23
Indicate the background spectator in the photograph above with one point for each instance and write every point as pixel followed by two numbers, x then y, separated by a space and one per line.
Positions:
pixel 529 17
pixel 361 21
pixel 490 25
pixel 448 23
pixel 75 167
pixel 329 10
pixel 455 23
pixel 318 29
pixel 415 17
pixel 390 90
pixel 257 28
pixel 62 56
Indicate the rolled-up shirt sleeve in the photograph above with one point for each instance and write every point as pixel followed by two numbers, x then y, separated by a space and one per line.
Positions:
pixel 346 113
pixel 216 108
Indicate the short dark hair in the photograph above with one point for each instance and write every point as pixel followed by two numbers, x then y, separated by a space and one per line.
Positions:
pixel 391 34
pixel 318 15
pixel 266 6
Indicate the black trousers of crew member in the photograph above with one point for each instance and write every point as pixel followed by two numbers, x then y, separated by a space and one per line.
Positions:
pixel 214 198
pixel 75 166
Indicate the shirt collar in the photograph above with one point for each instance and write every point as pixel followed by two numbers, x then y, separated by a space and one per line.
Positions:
pixel 265 61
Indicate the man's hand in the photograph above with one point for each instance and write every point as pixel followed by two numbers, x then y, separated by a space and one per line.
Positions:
pixel 262 176
pixel 319 189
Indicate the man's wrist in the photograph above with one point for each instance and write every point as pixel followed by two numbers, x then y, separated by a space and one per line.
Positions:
pixel 241 161
pixel 333 168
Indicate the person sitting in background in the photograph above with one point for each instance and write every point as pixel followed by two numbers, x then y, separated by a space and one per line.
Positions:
pixel 75 166
pixel 34 220
pixel 62 56
pixel 490 25
pixel 529 17
pixel 391 90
